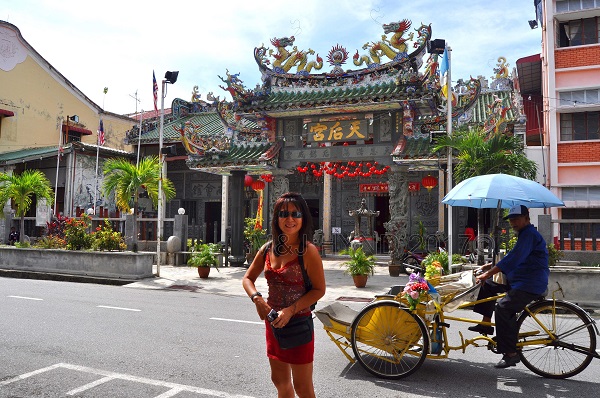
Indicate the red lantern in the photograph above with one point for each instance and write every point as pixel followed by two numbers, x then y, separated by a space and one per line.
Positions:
pixel 248 181
pixel 258 185
pixel 429 182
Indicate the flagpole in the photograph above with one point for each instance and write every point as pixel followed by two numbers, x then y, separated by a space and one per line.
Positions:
pixel 97 157
pixel 449 132
pixel 58 166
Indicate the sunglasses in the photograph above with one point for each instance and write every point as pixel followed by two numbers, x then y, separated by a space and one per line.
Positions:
pixel 286 214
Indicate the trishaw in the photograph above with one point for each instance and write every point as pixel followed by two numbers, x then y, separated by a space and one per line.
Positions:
pixel 557 339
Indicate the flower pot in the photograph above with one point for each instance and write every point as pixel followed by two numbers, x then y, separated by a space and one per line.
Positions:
pixel 395 270
pixel 360 280
pixel 203 272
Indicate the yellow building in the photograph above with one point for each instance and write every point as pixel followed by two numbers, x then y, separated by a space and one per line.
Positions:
pixel 38 107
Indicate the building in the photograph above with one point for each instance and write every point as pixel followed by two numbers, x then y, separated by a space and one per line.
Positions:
pixel 40 111
pixel 570 98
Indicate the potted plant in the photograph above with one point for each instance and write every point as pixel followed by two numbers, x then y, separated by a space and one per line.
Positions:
pixel 254 237
pixel 203 257
pixel 359 266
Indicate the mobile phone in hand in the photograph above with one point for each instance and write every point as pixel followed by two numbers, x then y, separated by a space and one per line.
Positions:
pixel 272 315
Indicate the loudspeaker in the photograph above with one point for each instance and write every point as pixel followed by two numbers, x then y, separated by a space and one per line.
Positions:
pixel 171 77
pixel 436 46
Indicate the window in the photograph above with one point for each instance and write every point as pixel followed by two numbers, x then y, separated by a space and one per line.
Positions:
pixel 190 210
pixel 578 32
pixel 580 194
pixel 575 5
pixel 579 230
pixel 580 126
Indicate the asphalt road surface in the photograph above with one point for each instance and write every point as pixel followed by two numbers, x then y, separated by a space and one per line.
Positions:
pixel 64 339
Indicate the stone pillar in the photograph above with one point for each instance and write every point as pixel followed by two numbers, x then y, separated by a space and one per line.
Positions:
pixel 224 207
pixel 327 195
pixel 397 227
pixel 237 257
pixel 544 226
pixel 180 230
pixel 130 239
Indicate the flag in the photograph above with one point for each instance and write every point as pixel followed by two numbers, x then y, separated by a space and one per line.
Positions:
pixel 155 92
pixel 101 133
pixel 444 66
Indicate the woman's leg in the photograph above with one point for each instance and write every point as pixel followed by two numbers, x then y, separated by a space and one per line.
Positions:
pixel 303 380
pixel 281 376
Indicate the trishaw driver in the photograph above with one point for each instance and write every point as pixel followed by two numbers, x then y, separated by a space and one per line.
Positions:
pixel 526 270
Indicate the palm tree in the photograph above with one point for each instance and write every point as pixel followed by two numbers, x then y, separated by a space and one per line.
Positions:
pixel 21 189
pixel 479 153
pixel 125 179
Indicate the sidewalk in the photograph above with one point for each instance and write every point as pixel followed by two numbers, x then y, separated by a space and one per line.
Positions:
pixel 228 281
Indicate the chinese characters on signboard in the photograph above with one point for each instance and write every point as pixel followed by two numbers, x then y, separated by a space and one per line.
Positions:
pixel 374 189
pixel 344 130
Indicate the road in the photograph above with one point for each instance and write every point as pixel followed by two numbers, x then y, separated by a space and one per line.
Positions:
pixel 62 339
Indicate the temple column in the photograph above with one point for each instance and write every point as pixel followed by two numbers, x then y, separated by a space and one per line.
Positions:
pixel 327 195
pixel 397 227
pixel 224 207
pixel 237 256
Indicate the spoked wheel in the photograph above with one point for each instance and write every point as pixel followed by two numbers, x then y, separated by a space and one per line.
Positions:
pixel 570 347
pixel 388 340
pixel 410 264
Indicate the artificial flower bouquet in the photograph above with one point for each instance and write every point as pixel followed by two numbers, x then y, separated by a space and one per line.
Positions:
pixel 415 290
pixel 433 272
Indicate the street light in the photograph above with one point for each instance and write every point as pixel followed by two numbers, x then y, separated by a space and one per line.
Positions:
pixel 170 77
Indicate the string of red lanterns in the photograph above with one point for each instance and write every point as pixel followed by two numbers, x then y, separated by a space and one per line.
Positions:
pixel 351 169
pixel 258 184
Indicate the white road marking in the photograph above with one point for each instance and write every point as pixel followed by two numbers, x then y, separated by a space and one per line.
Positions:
pixel 26 375
pixel 508 384
pixel 90 385
pixel 107 376
pixel 118 308
pixel 237 320
pixel 26 298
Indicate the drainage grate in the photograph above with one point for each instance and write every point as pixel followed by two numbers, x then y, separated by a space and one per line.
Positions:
pixel 357 299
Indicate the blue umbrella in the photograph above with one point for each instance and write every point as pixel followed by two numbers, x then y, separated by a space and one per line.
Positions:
pixel 500 190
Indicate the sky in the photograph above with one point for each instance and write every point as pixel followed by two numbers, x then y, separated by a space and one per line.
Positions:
pixel 118 43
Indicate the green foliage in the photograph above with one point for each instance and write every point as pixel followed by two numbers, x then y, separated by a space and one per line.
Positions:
pixel 77 235
pixel 51 242
pixel 479 153
pixel 125 179
pixel 204 255
pixel 360 263
pixel 255 237
pixel 442 258
pixel 554 255
pixel 22 245
pixel 106 239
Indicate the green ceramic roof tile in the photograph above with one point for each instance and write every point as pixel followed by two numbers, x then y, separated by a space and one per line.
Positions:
pixel 210 122
pixel 28 153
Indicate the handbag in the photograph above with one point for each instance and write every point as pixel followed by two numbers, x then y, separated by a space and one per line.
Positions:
pixel 297 332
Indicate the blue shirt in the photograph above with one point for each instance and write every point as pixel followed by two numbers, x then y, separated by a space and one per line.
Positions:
pixel 526 265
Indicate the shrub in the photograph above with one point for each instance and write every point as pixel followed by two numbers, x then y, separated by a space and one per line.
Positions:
pixel 442 258
pixel 57 226
pixel 51 242
pixel 106 239
pixel 76 233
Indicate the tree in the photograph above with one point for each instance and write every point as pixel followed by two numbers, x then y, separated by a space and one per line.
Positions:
pixel 125 180
pixel 21 189
pixel 478 153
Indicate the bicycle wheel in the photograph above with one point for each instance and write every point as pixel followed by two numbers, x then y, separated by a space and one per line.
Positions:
pixel 571 343
pixel 388 340
pixel 411 264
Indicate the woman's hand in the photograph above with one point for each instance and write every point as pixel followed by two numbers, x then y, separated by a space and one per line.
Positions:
pixel 284 317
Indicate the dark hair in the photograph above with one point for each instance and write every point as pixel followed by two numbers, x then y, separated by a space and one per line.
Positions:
pixel 306 232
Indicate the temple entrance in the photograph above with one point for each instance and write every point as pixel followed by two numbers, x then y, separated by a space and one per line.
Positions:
pixel 382 204
pixel 212 219
pixel 313 205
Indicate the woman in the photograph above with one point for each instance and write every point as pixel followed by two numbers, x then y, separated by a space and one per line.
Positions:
pixel 291 369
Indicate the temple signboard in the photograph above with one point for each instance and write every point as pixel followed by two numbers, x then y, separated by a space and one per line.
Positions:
pixel 341 130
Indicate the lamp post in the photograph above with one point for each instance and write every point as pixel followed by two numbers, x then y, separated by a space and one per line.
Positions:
pixel 170 77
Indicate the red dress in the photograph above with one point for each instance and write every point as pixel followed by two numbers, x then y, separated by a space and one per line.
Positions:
pixel 286 286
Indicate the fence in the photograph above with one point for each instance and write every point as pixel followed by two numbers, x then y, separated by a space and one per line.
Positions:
pixel 578 234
